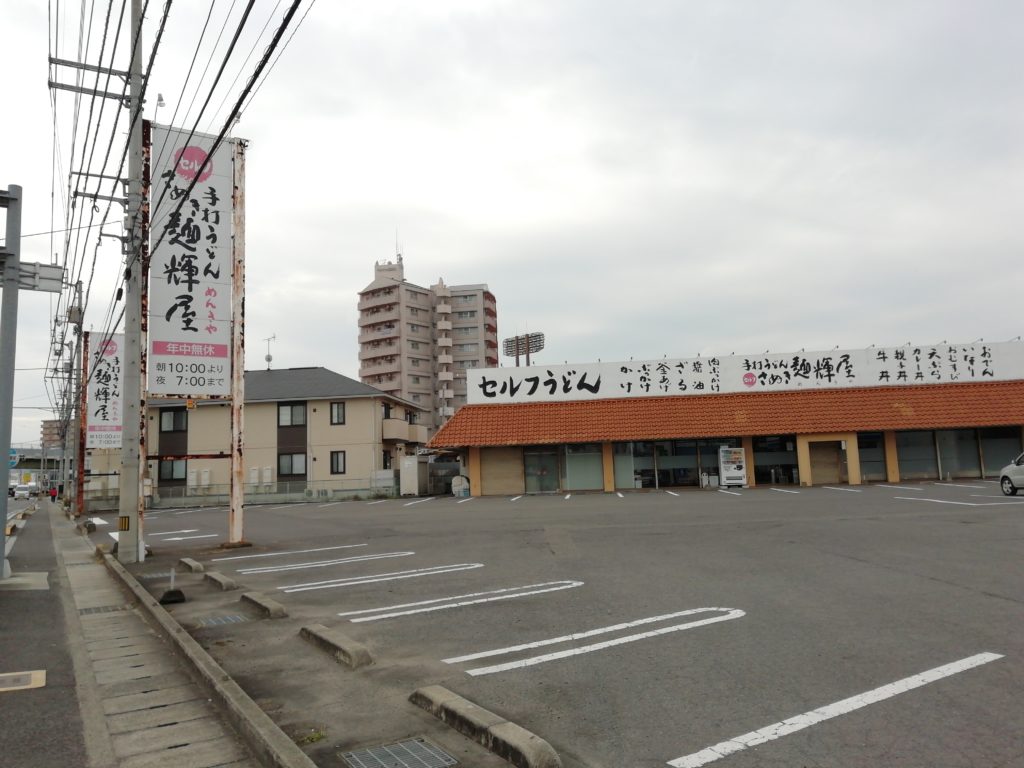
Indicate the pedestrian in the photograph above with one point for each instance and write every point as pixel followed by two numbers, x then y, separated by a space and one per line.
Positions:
pixel 53 493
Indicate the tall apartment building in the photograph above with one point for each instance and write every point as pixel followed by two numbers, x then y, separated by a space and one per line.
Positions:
pixel 419 343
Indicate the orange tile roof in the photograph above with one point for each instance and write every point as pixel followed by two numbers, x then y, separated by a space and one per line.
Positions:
pixel 818 411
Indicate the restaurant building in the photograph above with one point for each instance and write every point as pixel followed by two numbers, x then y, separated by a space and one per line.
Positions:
pixel 809 418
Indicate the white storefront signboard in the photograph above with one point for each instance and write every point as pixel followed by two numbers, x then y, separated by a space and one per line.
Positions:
pixel 190 272
pixel 104 417
pixel 780 372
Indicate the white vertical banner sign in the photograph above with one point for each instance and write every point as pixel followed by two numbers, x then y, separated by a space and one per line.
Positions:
pixel 190 272
pixel 104 417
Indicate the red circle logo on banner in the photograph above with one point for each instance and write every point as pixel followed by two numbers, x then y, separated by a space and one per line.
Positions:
pixel 188 161
pixel 109 347
pixel 749 379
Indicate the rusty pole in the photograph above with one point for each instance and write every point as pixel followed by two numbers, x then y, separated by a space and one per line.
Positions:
pixel 235 512
pixel 147 154
pixel 83 414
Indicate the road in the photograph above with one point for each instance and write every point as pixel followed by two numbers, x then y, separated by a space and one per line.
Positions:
pixel 638 629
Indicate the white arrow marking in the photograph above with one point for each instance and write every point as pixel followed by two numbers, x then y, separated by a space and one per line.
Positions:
pixel 731 613
pixel 356 580
pixel 799 722
pixel 503 594
pixel 323 563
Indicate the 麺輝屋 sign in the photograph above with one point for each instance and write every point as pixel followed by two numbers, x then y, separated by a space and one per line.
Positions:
pixel 103 420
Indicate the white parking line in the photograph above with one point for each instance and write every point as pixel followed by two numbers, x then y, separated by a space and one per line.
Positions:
pixel 323 563
pixel 515 498
pixel 329 504
pixel 731 493
pixel 463 501
pixel 287 552
pixel 568 496
pixel 783 490
pixel 938 501
pixel 955 485
pixel 418 501
pixel 619 494
pixel 168 533
pixel 503 594
pixel 901 487
pixel 283 506
pixel 799 722
pixel 371 503
pixel 186 538
pixel 833 488
pixel 357 580
pixel 671 493
pixel 731 613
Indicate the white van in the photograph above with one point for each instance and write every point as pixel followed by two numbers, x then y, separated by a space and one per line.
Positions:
pixel 1011 477
pixel 22 491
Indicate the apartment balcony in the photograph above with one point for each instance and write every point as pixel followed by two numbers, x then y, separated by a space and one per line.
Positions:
pixel 379 335
pixel 443 309
pixel 443 325
pixel 369 302
pixel 445 359
pixel 396 429
pixel 446 411
pixel 380 369
pixel 444 341
pixel 382 350
pixel 445 376
pixel 377 316
pixel 442 291
pixel 445 394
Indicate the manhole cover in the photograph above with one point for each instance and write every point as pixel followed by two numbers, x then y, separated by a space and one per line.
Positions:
pixel 414 753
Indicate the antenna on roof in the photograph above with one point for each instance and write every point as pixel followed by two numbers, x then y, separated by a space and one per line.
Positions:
pixel 269 356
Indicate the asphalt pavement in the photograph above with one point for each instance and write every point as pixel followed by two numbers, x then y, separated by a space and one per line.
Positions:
pixel 877 625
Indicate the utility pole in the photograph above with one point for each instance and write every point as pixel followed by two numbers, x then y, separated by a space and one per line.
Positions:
pixel 130 546
pixel 11 270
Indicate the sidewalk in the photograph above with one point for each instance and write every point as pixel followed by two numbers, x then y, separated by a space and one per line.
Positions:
pixel 117 694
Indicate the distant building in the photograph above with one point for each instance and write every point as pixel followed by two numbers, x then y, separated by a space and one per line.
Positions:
pixel 52 433
pixel 419 343
pixel 308 432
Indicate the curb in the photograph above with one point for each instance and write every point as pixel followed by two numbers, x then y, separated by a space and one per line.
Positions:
pixel 222 581
pixel 271 609
pixel 507 740
pixel 193 565
pixel 268 742
pixel 343 648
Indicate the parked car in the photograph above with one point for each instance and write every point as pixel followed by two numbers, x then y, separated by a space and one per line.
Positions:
pixel 22 492
pixel 1011 477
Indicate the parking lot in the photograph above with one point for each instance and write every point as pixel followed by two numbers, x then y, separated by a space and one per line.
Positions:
pixel 827 626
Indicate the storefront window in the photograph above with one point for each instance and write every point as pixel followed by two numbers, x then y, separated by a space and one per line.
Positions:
pixel 871 449
pixel 958 453
pixel 916 454
pixel 582 467
pixel 643 465
pixel 775 460
pixel 624 469
pixel 540 466
pixel 999 446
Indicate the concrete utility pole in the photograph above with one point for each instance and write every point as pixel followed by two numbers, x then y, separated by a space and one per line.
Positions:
pixel 130 546
pixel 11 268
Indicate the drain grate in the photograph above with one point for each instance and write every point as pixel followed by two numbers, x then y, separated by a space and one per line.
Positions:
pixel 216 621
pixel 103 609
pixel 414 753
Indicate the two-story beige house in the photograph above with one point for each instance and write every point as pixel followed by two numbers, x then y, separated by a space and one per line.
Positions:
pixel 307 431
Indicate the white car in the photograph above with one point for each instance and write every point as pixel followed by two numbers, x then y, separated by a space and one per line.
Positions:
pixel 22 492
pixel 1011 477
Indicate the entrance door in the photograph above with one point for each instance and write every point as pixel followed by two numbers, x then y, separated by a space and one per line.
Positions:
pixel 827 465
pixel 541 468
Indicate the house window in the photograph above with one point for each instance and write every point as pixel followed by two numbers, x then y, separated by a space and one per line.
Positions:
pixel 466 314
pixel 291 464
pixel 291 414
pixel 386 409
pixel 337 413
pixel 175 420
pixel 173 469
pixel 414 379
pixel 414 345
pixel 337 462
pixel 414 361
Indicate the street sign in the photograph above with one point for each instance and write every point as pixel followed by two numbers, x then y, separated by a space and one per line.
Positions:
pixel 13 459
pixel 38 277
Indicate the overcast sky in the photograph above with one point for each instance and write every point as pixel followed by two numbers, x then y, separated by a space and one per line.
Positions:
pixel 633 179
